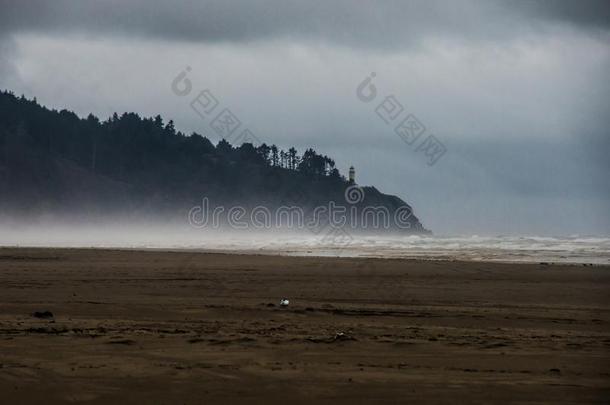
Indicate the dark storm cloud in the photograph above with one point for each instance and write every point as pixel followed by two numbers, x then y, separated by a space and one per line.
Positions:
pixel 589 13
pixel 376 24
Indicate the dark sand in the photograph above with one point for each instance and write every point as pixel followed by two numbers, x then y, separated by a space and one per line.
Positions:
pixel 172 328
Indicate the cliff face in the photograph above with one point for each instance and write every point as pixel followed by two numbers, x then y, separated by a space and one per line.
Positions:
pixel 53 163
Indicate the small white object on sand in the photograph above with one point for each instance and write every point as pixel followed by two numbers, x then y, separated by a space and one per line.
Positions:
pixel 284 302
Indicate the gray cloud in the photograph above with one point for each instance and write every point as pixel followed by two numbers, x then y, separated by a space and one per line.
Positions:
pixel 374 24
pixel 589 13
pixel 7 53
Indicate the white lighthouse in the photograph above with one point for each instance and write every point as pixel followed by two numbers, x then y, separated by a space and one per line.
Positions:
pixel 352 175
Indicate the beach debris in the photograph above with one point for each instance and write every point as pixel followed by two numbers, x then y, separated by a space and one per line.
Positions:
pixel 43 314
pixel 342 336
pixel 339 337
pixel 284 302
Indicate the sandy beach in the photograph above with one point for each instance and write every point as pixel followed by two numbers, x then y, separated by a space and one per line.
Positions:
pixel 184 328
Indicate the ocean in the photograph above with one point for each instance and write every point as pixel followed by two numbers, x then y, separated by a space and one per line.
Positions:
pixel 533 249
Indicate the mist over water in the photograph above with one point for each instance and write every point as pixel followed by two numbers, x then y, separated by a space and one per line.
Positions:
pixel 325 242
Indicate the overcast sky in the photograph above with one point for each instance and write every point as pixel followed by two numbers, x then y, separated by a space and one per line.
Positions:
pixel 517 91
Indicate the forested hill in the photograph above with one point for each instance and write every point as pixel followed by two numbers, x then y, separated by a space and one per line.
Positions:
pixel 56 162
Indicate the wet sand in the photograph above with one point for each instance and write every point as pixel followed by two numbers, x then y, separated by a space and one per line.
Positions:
pixel 178 327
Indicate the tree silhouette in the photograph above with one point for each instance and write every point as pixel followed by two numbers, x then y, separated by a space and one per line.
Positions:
pixel 54 157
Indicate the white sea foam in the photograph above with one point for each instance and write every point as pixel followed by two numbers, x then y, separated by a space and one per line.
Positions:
pixel 572 249
pixel 499 248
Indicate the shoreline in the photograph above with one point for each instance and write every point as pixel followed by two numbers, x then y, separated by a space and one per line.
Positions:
pixel 299 254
